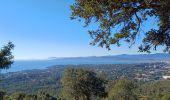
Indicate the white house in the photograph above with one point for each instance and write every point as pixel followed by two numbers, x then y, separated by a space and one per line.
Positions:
pixel 166 77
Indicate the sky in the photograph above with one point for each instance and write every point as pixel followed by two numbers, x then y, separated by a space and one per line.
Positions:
pixel 42 28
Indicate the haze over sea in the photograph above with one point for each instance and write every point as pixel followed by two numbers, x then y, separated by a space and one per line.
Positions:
pixel 20 65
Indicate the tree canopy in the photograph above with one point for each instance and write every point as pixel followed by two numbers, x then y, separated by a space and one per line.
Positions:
pixel 24 96
pixel 81 84
pixel 6 57
pixel 166 97
pixel 122 90
pixel 122 20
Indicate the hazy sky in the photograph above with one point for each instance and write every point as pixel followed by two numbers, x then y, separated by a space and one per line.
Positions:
pixel 42 29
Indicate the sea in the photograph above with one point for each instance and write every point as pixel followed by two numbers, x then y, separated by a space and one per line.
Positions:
pixel 20 65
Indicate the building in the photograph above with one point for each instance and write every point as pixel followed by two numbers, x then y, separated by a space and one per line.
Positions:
pixel 166 77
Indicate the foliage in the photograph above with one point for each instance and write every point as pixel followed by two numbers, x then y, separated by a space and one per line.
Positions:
pixel 45 96
pixel 81 84
pixel 122 90
pixel 49 80
pixel 84 81
pixel 18 96
pixel 23 96
pixel 119 20
pixel 2 94
pixel 6 57
pixel 154 89
pixel 166 97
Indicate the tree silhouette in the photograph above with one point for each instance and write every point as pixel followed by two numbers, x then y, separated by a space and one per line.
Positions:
pixel 6 57
pixel 121 20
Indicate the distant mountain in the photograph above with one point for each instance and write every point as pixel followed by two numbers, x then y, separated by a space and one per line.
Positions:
pixel 145 56
pixel 110 59
pixel 157 56
pixel 51 58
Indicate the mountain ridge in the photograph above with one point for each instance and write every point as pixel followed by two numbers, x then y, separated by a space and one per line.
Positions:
pixel 162 56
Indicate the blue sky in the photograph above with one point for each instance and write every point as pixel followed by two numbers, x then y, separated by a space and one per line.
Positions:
pixel 42 28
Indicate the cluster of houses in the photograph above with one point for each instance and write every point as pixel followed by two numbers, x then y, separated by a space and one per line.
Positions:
pixel 167 77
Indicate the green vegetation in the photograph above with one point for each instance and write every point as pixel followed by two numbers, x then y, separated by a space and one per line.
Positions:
pixel 103 83
pixel 23 96
pixel 89 82
pixel 6 57
pixel 166 97
pixel 85 84
pixel 49 80
pixel 119 20
pixel 122 90
pixel 154 90
pixel 82 84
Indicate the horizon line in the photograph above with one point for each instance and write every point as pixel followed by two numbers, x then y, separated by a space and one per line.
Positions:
pixel 48 58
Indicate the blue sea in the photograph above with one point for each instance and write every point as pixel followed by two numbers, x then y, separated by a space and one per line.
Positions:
pixel 20 65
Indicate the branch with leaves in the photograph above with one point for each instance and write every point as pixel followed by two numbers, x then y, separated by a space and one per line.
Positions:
pixel 126 16
pixel 6 57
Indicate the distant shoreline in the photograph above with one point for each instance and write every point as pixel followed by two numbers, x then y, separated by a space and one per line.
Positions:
pixel 69 65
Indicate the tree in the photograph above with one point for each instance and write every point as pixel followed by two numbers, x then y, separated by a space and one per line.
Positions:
pixel 45 96
pixel 82 84
pixel 122 90
pixel 166 97
pixel 6 57
pixel 127 17
pixel 23 96
pixel 2 94
pixel 18 96
pixel 154 90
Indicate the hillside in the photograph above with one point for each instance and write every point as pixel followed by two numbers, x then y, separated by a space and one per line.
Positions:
pixel 49 79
